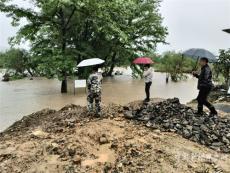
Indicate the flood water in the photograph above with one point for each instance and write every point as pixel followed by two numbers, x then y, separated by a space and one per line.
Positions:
pixel 23 97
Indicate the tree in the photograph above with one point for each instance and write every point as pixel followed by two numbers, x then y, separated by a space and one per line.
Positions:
pixel 14 59
pixel 1 59
pixel 64 32
pixel 175 65
pixel 135 28
pixel 223 66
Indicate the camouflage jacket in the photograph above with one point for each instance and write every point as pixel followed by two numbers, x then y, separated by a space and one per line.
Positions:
pixel 94 83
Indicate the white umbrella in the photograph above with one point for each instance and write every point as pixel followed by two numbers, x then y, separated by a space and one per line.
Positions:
pixel 90 62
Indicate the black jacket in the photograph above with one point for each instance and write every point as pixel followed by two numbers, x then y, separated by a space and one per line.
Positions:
pixel 205 78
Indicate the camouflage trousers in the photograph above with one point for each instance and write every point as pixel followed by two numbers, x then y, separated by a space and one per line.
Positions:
pixel 94 97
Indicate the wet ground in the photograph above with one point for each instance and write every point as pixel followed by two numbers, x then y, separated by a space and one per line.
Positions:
pixel 22 97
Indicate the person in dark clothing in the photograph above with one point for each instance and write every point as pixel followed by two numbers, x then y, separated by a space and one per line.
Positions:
pixel 204 86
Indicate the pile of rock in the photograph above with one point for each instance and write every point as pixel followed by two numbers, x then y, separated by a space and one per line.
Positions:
pixel 171 116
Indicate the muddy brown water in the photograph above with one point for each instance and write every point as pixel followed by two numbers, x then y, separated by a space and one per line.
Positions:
pixel 23 97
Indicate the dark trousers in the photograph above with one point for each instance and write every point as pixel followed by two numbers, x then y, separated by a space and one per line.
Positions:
pixel 147 89
pixel 202 100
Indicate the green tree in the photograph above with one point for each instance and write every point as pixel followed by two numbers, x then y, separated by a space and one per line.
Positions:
pixel 223 66
pixel 14 59
pixel 175 65
pixel 1 59
pixel 64 32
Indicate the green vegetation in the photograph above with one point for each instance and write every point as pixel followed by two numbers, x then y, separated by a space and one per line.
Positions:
pixel 1 59
pixel 222 67
pixel 175 65
pixel 64 32
pixel 16 62
pixel 14 59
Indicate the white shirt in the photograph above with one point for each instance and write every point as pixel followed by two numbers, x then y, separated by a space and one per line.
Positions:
pixel 148 75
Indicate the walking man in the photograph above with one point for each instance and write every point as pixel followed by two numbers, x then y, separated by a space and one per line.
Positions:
pixel 94 85
pixel 204 86
pixel 148 76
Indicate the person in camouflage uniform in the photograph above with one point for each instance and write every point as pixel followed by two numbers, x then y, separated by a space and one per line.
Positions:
pixel 94 83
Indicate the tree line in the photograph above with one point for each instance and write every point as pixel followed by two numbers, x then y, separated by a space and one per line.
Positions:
pixel 18 63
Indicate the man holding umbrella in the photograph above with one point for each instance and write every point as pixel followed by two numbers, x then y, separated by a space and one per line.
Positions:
pixel 204 86
pixel 94 84
pixel 204 78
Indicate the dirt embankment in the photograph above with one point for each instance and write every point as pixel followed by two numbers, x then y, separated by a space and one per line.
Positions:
pixel 71 141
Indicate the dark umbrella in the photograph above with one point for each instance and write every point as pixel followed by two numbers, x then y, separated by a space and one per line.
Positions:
pixel 199 53
pixel 226 30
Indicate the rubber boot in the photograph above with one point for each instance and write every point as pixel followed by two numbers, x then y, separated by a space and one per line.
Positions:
pixel 213 111
pixel 199 110
pixel 147 100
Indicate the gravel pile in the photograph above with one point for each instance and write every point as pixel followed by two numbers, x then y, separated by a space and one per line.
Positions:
pixel 171 116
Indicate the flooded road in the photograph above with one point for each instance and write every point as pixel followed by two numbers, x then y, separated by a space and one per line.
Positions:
pixel 23 97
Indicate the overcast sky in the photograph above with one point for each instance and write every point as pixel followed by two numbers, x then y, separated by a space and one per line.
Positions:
pixel 191 24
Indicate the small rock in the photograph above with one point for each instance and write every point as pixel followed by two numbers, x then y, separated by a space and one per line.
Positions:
pixel 147 146
pixel 71 151
pixel 128 145
pixel 39 134
pixel 128 114
pixel 118 119
pixel 120 167
pixel 189 127
pixel 225 140
pixel 186 134
pixel 228 135
pixel 114 145
pixel 103 140
pixel 107 167
pixel 54 148
pixel 77 159
pixel 217 144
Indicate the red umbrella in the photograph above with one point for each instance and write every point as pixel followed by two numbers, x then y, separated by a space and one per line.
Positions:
pixel 143 60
